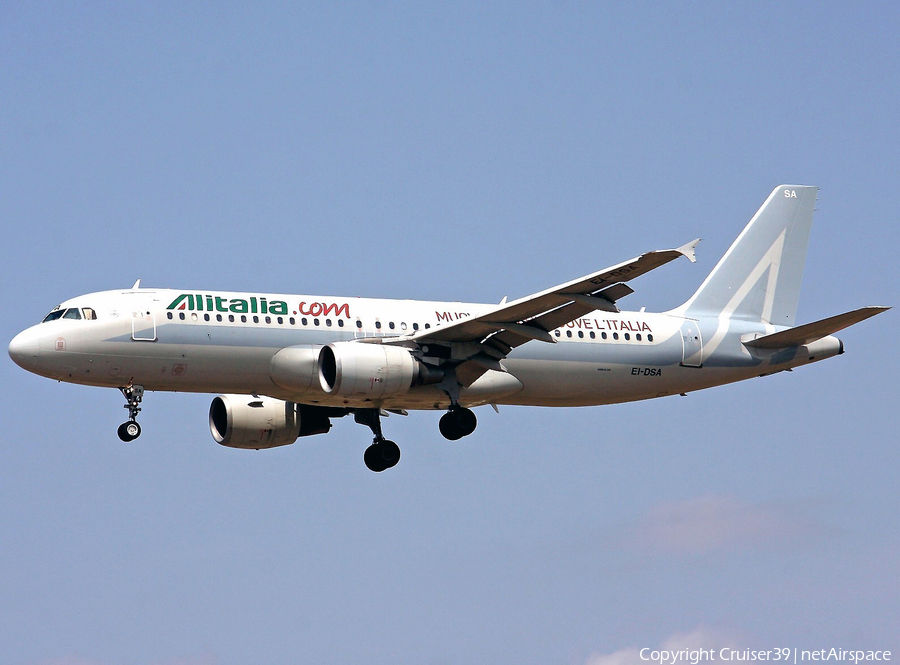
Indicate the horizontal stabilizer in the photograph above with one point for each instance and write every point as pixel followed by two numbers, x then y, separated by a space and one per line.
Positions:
pixel 810 332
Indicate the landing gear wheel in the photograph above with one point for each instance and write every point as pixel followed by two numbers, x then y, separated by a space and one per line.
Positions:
pixel 457 423
pixel 129 431
pixel 382 455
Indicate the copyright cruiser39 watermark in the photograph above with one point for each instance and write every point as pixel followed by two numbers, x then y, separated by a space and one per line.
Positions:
pixel 785 655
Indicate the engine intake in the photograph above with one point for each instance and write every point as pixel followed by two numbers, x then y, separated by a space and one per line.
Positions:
pixel 244 421
pixel 372 371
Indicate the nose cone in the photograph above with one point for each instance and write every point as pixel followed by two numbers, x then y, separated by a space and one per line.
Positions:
pixel 25 349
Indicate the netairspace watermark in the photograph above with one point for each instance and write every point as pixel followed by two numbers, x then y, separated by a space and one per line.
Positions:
pixel 785 655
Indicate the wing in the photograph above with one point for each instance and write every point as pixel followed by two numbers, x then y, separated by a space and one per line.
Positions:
pixel 482 341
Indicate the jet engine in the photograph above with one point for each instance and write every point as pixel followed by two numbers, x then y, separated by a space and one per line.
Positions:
pixel 244 421
pixel 372 371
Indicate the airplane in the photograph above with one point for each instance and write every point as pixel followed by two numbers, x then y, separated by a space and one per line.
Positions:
pixel 286 365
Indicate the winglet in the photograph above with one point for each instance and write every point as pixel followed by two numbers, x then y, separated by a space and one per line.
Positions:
pixel 688 250
pixel 136 286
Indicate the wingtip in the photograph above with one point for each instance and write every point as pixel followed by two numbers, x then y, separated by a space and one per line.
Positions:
pixel 688 250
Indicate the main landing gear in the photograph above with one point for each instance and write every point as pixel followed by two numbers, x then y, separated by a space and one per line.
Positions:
pixel 130 430
pixel 457 423
pixel 382 454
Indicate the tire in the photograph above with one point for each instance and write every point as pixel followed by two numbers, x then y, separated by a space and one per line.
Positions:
pixel 466 421
pixel 448 426
pixel 381 456
pixel 129 431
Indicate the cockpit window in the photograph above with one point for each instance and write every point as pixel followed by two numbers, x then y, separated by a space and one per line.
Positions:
pixel 89 313
pixel 72 313
pixel 55 314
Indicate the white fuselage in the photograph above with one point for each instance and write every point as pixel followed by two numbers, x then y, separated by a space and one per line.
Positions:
pixel 211 342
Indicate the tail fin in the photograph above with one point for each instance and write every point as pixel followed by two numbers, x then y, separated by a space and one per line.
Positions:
pixel 759 277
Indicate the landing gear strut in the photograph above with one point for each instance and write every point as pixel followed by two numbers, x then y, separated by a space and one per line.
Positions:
pixel 130 430
pixel 457 423
pixel 382 454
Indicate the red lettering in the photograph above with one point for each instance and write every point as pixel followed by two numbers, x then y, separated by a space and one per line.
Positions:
pixel 333 308
pixel 443 316
pixel 323 309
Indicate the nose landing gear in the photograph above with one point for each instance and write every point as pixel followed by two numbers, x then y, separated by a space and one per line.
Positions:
pixel 130 430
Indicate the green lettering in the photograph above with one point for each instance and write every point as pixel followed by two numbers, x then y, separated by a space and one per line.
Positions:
pixel 177 300
pixel 278 307
pixel 220 307
pixel 238 306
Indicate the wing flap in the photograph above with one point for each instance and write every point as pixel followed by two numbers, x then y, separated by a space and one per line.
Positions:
pixel 810 332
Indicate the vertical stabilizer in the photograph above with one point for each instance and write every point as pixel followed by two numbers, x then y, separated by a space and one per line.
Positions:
pixel 759 277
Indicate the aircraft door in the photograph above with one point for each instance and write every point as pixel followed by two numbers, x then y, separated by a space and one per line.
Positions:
pixel 692 344
pixel 143 323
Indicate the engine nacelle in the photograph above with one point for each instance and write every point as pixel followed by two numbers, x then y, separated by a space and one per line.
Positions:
pixel 244 421
pixel 296 368
pixel 371 371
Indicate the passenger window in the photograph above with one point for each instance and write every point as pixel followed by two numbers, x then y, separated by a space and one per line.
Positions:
pixel 268 319
pixel 72 314
pixel 638 337
pixel 205 316
pixel 169 314
pixel 627 336
pixel 255 319
pixel 615 335
pixel 568 333
pixel 231 318
pixel 649 338
pixel 603 335
pixel 243 318
pixel 391 325
pixel 181 315
pixel 358 323
pixel 581 334
pixel 328 322
pixel 593 335
pixel 415 326
pixel 340 323
pixel 378 325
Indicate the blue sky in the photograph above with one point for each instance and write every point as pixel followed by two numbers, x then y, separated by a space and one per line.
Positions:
pixel 460 151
